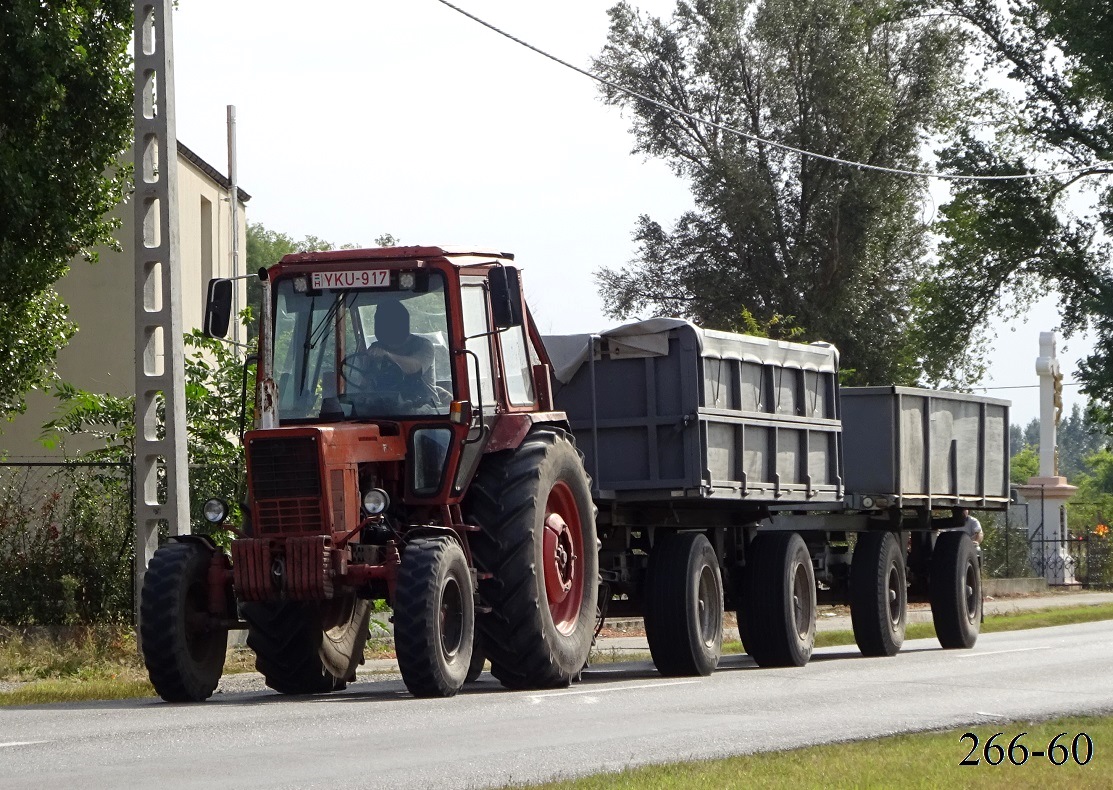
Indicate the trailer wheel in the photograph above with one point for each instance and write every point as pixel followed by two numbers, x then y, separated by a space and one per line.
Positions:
pixel 478 659
pixel 537 541
pixel 308 647
pixel 956 590
pixel 878 594
pixel 183 650
pixel 434 617
pixel 684 605
pixel 780 600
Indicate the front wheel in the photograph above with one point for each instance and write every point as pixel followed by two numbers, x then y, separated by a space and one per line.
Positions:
pixel 684 605
pixel 434 617
pixel 537 543
pixel 956 590
pixel 183 649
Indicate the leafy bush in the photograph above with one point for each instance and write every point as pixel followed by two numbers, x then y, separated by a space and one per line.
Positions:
pixel 65 544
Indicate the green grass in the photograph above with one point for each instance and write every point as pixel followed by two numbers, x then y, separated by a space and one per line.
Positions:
pixel 81 663
pixel 922 760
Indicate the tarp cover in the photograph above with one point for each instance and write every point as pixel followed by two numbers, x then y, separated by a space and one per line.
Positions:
pixel 651 338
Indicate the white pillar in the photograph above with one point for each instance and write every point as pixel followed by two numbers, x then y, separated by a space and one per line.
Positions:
pixel 1048 493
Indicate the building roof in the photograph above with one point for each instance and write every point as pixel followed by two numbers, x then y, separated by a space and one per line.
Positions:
pixel 209 170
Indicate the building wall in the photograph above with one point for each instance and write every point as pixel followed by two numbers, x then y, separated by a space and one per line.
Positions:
pixel 101 298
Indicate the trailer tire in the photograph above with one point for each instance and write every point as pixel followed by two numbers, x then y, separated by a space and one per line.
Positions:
pixel 308 647
pixel 434 617
pixel 684 605
pixel 184 653
pixel 780 600
pixel 878 594
pixel 956 590
pixel 537 555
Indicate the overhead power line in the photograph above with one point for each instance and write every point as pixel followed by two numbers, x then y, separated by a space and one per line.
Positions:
pixel 1089 169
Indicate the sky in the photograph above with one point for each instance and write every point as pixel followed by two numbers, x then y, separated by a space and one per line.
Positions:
pixel 356 119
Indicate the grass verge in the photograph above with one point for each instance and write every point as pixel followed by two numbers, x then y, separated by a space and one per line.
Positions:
pixel 921 760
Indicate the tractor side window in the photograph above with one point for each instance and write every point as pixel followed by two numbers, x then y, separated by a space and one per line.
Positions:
pixel 476 327
pixel 517 367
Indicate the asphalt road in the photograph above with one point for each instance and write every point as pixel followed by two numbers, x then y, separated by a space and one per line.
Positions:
pixel 376 735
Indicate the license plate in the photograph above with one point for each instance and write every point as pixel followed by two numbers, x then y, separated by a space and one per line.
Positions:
pixel 366 278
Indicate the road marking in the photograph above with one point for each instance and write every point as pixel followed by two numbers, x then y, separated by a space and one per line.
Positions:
pixel 615 688
pixel 991 715
pixel 999 652
pixel 20 743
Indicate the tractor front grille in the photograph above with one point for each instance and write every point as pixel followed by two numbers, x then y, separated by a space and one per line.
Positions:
pixel 286 482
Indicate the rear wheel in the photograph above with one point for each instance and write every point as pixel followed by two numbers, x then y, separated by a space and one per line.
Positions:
pixel 434 617
pixel 308 647
pixel 878 594
pixel 537 541
pixel 684 605
pixel 182 648
pixel 780 603
pixel 956 590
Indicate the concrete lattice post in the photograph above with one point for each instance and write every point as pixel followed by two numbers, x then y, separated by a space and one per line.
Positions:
pixel 161 473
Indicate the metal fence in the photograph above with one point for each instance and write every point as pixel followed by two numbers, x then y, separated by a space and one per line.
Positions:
pixel 66 543
pixel 1083 554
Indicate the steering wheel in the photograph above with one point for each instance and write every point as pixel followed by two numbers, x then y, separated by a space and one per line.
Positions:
pixel 371 372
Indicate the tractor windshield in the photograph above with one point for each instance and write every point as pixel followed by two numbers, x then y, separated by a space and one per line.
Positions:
pixel 361 345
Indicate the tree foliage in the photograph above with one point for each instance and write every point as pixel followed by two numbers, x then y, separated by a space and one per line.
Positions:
pixel 1007 243
pixel 214 388
pixel 790 241
pixel 65 118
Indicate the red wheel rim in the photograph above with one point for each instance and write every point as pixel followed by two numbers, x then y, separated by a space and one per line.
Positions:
pixel 563 558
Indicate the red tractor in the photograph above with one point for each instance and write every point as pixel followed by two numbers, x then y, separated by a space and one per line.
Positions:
pixel 405 449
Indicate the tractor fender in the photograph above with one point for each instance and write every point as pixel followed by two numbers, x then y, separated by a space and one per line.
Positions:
pixel 510 429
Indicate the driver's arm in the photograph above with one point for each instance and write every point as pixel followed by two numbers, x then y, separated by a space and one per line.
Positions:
pixel 408 364
pixel 420 361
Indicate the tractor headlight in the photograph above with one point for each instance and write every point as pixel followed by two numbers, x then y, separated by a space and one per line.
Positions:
pixel 215 511
pixel 375 501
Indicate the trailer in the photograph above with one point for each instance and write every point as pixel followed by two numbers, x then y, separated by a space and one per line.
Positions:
pixel 733 472
pixel 417 441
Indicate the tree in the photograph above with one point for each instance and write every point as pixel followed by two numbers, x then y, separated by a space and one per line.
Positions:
pixel 61 65
pixel 782 240
pixel 1009 242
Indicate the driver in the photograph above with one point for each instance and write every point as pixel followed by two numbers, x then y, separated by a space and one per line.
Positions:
pixel 412 354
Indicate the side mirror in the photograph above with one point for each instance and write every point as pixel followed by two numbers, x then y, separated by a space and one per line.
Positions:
pixel 218 307
pixel 506 297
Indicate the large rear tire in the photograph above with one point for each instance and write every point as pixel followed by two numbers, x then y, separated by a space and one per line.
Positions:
pixel 956 590
pixel 684 605
pixel 434 617
pixel 308 647
pixel 878 594
pixel 780 600
pixel 183 650
pixel 538 543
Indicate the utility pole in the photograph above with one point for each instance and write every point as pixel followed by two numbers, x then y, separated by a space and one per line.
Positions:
pixel 161 473
pixel 234 194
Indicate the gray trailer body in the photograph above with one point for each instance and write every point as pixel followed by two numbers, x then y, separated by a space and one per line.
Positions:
pixel 908 447
pixel 662 409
